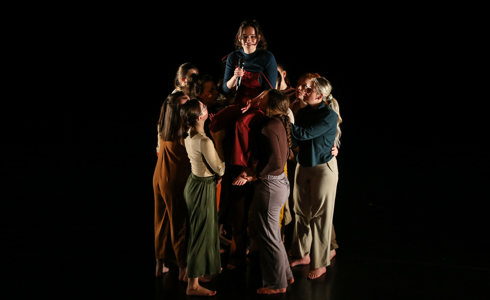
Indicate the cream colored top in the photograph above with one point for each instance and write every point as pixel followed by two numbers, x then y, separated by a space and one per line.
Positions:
pixel 290 115
pixel 200 145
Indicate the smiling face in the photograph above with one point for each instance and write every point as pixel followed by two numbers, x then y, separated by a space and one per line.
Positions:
pixel 311 95
pixel 249 39
pixel 300 90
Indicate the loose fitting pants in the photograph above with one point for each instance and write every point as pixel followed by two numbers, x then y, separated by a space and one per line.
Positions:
pixel 270 194
pixel 314 200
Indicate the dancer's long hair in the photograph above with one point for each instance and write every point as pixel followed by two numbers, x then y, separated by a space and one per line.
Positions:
pixel 324 87
pixel 278 105
pixel 169 122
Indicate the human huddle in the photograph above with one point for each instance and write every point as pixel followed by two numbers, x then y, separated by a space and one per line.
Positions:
pixel 227 153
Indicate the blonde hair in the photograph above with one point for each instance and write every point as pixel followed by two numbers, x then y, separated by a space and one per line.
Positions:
pixel 324 87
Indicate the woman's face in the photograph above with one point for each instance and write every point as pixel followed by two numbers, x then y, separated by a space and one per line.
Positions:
pixel 249 40
pixel 311 95
pixel 209 93
pixel 300 90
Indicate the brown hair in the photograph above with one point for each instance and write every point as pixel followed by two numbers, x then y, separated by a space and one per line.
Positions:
pixel 169 123
pixel 278 104
pixel 189 112
pixel 262 43
pixel 194 86
pixel 182 73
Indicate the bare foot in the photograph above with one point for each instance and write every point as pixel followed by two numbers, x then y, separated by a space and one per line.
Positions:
pixel 314 274
pixel 302 261
pixel 182 274
pixel 160 268
pixel 269 291
pixel 199 291
pixel 332 254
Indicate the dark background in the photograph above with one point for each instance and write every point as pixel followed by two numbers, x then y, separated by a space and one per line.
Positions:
pixel 79 149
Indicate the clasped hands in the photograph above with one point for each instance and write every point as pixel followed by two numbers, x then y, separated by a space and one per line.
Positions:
pixel 242 179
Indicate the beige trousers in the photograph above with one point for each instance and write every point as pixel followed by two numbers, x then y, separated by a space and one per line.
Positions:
pixel 314 194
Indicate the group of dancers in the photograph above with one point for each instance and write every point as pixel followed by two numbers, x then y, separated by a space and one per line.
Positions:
pixel 231 155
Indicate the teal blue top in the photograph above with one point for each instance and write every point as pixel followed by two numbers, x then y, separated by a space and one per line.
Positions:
pixel 314 132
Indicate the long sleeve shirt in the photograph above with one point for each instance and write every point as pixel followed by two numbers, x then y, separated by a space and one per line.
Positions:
pixel 272 148
pixel 198 146
pixel 261 61
pixel 314 132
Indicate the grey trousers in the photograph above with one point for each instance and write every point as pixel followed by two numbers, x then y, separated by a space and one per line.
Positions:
pixel 270 194
pixel 314 200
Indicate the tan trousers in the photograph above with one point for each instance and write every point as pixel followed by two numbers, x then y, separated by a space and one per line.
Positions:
pixel 314 194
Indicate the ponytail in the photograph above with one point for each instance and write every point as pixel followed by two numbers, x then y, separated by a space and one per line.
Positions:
pixel 334 105
pixel 189 114
pixel 325 88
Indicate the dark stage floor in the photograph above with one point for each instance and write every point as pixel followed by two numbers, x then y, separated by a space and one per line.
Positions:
pixel 86 231
pixel 351 277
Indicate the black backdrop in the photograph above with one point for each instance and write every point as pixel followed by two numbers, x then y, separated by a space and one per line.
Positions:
pixel 413 162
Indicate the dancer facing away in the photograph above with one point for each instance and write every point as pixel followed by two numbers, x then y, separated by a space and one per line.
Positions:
pixel 284 85
pixel 316 131
pixel 271 191
pixel 186 81
pixel 203 256
pixel 169 179
pixel 183 74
